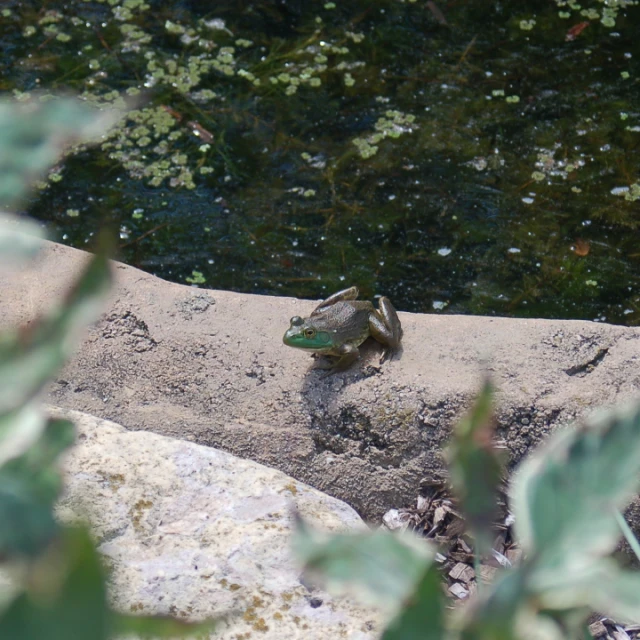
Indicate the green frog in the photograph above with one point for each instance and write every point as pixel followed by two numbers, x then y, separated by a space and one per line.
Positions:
pixel 340 324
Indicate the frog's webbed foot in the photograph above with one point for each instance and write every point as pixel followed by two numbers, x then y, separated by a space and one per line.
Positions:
pixel 386 328
pixel 324 362
pixel 346 294
pixel 340 360
pixel 387 354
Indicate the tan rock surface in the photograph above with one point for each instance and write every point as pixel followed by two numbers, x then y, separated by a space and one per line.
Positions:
pixel 198 533
pixel 210 367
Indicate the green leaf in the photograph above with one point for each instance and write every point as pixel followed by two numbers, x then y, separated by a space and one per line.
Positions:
pixel 379 566
pixel 509 609
pixel 26 525
pixel 565 495
pixel 494 615
pixel 30 356
pixel 19 429
pixel 19 238
pixel 617 595
pixel 476 468
pixel 602 587
pixel 71 601
pixel 158 627
pixel 422 616
pixel 39 463
pixel 67 600
pixel 34 135
pixel 29 484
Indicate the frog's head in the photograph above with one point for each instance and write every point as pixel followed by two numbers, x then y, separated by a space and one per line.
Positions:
pixel 302 334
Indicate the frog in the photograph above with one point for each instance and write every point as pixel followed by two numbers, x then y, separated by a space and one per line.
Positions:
pixel 340 324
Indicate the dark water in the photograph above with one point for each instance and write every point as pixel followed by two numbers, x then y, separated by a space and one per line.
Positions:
pixel 449 216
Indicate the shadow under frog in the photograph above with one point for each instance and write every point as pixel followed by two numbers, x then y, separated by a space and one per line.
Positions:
pixel 336 331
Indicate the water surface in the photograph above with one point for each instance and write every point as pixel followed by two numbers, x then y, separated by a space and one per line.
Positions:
pixel 459 157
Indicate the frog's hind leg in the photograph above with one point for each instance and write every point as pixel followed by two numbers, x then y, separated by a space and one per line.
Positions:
pixel 340 296
pixel 386 328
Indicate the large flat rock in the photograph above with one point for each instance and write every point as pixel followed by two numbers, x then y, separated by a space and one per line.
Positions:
pixel 210 367
pixel 197 533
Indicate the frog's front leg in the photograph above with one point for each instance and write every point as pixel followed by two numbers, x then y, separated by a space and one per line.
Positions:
pixel 386 328
pixel 346 294
pixel 345 355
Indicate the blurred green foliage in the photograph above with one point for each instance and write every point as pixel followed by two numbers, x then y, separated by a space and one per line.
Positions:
pixel 477 468
pixel 58 586
pixel 422 617
pixel 35 134
pixel 29 485
pixel 382 567
pixel 564 499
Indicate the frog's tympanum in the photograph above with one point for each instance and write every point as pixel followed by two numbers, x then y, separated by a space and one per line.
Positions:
pixel 340 324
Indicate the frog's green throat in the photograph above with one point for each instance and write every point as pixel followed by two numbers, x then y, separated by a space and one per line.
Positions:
pixel 306 338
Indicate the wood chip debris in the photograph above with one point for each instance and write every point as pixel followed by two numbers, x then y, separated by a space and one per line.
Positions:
pixel 459 591
pixel 597 629
pixel 437 518
pixel 514 555
pixel 487 574
pixel 607 629
pixel 462 572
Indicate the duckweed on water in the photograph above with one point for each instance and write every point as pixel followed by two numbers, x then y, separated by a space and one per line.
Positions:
pixel 393 124
pixel 145 142
pixel 630 193
pixel 196 278
pixel 606 11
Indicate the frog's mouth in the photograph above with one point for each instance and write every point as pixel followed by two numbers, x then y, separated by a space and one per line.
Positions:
pixel 319 342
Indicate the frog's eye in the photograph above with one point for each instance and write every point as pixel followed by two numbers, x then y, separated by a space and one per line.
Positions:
pixel 309 333
pixel 296 321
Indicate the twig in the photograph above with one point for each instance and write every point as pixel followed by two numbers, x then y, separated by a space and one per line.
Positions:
pixel 44 43
pixel 476 568
pixel 437 14
pixel 466 51
pixel 144 235
pixel 628 534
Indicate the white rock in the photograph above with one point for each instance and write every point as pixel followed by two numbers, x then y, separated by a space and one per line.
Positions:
pixel 195 532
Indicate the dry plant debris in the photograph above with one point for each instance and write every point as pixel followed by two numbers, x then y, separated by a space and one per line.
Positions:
pixel 436 517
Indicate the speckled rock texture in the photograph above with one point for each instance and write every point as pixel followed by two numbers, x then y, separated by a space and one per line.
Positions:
pixel 197 533
pixel 210 367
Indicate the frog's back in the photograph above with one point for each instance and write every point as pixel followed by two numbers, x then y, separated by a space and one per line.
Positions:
pixel 348 321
